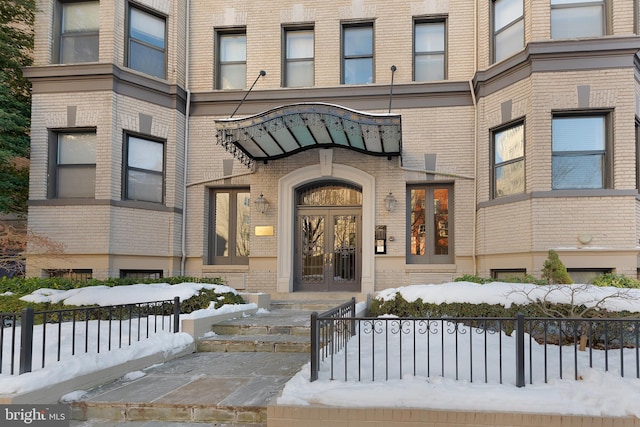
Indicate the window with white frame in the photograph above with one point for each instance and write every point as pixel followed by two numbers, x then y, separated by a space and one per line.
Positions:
pixel 230 229
pixel 578 18
pixel 298 61
pixel 232 60
pixel 580 144
pixel 147 42
pixel 144 169
pixel 508 28
pixel 430 224
pixel 357 53
pixel 74 165
pixel 508 160
pixel 429 46
pixel 79 28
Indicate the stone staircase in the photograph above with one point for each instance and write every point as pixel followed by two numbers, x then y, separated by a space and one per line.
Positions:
pixel 230 380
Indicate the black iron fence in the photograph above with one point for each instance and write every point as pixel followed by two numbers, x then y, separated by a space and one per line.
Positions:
pixel 498 350
pixel 34 338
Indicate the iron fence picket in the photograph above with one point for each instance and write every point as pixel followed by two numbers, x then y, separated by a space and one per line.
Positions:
pixel 401 345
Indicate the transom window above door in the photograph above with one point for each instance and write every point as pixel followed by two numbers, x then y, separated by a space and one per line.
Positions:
pixel 330 194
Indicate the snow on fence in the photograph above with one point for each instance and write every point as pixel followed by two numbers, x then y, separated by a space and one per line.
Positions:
pixel 31 339
pixel 491 350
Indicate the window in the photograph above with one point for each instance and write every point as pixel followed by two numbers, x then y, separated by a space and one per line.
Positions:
pixel 79 275
pixel 586 275
pixel 144 174
pixel 577 18
pixel 298 67
pixel 74 165
pixel 508 28
pixel 430 224
pixel 508 161
pixel 141 274
pixel 509 275
pixel 429 45
pixel 579 145
pixel 229 240
pixel 357 54
pixel 232 60
pixel 78 32
pixel 147 43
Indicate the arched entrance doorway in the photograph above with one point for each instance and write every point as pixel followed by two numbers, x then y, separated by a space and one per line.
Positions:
pixel 328 237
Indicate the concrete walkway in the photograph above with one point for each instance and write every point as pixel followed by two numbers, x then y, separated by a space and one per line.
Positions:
pixel 213 387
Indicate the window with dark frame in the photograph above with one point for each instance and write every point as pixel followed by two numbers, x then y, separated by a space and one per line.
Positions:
pixel 79 29
pixel 430 224
pixel 231 60
pixel 587 275
pixel 580 144
pixel 141 274
pixel 73 164
pixel 80 275
pixel 508 28
pixel 357 53
pixel 508 274
pixel 230 226
pixel 144 169
pixel 429 50
pixel 298 61
pixel 578 18
pixel 146 47
pixel 508 160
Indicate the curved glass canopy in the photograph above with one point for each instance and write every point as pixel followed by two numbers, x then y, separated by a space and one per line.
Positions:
pixel 287 130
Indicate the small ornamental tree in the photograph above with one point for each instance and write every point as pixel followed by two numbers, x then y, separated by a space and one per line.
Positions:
pixel 554 271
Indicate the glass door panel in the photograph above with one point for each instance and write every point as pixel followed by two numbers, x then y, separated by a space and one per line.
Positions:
pixel 344 248
pixel 312 245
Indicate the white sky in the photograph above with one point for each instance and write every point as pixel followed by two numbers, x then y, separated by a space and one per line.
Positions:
pixel 597 393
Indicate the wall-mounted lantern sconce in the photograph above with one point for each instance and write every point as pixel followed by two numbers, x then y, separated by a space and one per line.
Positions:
pixel 261 204
pixel 390 202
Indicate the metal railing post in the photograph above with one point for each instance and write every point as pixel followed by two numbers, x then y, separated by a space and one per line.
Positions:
pixel 26 340
pixel 520 350
pixel 315 347
pixel 176 315
pixel 353 316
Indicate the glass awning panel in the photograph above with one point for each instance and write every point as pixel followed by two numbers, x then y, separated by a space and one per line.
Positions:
pixel 290 129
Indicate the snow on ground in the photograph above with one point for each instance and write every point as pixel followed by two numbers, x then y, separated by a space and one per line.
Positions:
pixel 597 393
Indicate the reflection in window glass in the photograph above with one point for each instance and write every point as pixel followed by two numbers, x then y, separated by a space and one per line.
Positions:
pixel 299 58
pixel 145 170
pixel 429 60
pixel 508 161
pixel 357 55
pixel 579 148
pixel 79 32
pixel 76 165
pixel 429 228
pixel 574 19
pixel 147 51
pixel 508 28
pixel 230 229
pixel 232 59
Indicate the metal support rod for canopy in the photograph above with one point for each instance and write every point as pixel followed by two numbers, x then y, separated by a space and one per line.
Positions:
pixel 262 73
pixel 393 70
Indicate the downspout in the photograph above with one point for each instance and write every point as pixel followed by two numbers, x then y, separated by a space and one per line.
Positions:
pixel 183 231
pixel 475 141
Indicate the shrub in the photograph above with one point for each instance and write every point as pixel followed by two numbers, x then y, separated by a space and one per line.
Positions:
pixel 554 271
pixel 473 279
pixel 616 281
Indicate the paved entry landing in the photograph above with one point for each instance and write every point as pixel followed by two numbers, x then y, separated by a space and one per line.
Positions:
pixel 220 385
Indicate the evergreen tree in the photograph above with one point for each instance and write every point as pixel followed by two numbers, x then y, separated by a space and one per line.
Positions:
pixel 16 45
pixel 554 270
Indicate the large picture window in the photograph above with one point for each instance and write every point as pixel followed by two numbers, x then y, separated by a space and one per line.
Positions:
pixel 579 145
pixel 357 54
pixel 430 224
pixel 147 42
pixel 298 60
pixel 508 28
pixel 79 26
pixel 232 60
pixel 75 165
pixel 144 171
pixel 429 41
pixel 508 161
pixel 229 240
pixel 577 18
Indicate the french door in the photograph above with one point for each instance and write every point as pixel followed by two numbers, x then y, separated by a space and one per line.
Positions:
pixel 328 249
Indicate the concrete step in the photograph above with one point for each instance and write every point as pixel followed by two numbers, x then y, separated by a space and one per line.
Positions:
pixel 226 329
pixel 308 305
pixel 274 343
